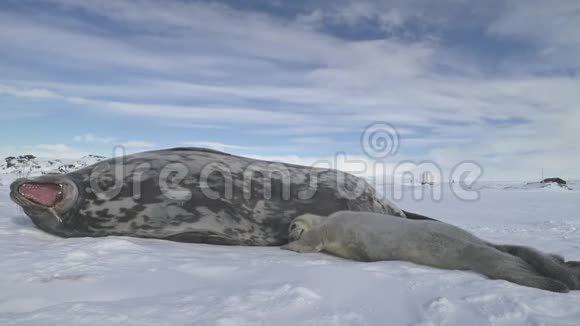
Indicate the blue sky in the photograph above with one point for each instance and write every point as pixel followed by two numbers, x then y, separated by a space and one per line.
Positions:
pixel 496 82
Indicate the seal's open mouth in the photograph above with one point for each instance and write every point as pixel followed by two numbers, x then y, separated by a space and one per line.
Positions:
pixel 45 194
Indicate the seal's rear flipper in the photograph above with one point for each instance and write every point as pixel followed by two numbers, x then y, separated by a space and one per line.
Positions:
pixel 547 265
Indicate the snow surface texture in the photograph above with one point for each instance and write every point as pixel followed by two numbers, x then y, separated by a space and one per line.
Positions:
pixel 129 281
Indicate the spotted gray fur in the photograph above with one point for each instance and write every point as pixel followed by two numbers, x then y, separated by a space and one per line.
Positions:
pixel 235 220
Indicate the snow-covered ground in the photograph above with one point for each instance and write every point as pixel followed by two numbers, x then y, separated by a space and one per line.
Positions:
pixel 127 281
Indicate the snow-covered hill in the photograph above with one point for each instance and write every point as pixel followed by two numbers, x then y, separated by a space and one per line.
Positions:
pixel 30 165
pixel 541 185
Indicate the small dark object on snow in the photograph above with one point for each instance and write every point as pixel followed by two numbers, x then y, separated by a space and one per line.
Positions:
pixel 559 181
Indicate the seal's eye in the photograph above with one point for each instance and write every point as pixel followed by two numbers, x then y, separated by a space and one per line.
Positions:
pixel 364 197
pixel 292 227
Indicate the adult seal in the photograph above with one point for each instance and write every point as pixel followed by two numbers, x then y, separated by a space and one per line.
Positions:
pixel 192 195
pixel 365 236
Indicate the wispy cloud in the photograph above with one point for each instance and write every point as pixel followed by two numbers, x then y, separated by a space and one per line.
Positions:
pixel 308 74
pixel 138 144
pixel 312 140
pixel 44 150
pixel 113 141
pixel 90 138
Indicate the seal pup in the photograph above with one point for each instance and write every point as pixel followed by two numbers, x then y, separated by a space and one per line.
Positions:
pixel 370 237
pixel 191 195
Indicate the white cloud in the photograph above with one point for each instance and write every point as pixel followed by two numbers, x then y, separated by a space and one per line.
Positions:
pixel 197 113
pixel 135 144
pixel 551 26
pixel 280 77
pixel 195 125
pixel 91 138
pixel 27 93
pixel 52 147
pixel 353 14
pixel 45 150
pixel 113 141
pixel 312 140
pixel 554 23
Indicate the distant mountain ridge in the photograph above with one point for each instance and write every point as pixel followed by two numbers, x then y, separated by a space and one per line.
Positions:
pixel 29 165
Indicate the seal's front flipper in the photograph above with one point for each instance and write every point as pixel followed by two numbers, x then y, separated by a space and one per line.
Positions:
pixel 296 246
pixel 206 237
pixel 310 241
